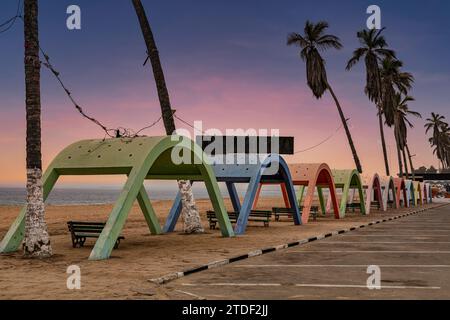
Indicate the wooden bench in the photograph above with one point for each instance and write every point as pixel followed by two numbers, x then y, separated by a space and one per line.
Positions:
pixel 288 212
pixel 80 231
pixel 375 205
pixel 255 216
pixel 354 206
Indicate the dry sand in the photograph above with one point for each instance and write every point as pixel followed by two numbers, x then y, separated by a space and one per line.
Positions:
pixel 141 256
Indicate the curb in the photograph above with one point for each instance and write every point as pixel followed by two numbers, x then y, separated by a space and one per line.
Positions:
pixel 215 264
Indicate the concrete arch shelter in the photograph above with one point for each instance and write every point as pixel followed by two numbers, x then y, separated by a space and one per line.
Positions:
pixel 311 176
pixel 401 192
pixel 427 192
pixel 348 180
pixel 418 196
pixel 373 191
pixel 244 171
pixel 140 159
pixel 410 193
pixel 389 193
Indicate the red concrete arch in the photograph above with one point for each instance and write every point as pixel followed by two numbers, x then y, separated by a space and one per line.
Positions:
pixel 401 193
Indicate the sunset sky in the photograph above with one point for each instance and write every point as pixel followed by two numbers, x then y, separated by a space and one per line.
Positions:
pixel 227 64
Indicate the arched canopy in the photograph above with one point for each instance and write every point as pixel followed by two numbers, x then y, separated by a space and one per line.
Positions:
pixel 410 193
pixel 401 192
pixel 311 175
pixel 314 175
pixel 139 158
pixel 373 191
pixel 427 192
pixel 346 180
pixel 389 193
pixel 418 195
pixel 251 169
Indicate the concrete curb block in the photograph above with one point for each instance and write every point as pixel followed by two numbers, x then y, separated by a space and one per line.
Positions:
pixel 215 264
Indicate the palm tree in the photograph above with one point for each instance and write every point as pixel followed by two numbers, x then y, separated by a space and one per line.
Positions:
pixel 313 41
pixel 37 241
pixel 402 123
pixel 190 214
pixel 440 139
pixel 393 80
pixel 373 50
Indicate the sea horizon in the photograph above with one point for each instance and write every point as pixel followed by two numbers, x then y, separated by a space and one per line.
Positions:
pixel 101 195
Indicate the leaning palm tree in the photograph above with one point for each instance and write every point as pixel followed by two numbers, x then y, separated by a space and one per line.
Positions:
pixel 373 49
pixel 402 124
pixel 37 241
pixel 313 41
pixel 190 214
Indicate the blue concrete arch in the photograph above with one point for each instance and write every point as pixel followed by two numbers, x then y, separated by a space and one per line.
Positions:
pixel 253 174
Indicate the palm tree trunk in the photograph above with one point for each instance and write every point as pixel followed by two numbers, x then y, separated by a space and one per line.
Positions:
pixel 37 241
pixel 190 214
pixel 410 163
pixel 399 157
pixel 406 163
pixel 383 142
pixel 347 131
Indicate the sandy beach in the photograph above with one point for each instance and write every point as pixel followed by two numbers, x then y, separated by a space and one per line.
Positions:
pixel 141 256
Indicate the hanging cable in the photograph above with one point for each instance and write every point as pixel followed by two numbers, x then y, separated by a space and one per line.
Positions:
pixel 10 22
pixel 323 141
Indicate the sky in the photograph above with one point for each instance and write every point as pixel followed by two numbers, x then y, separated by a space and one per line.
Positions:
pixel 226 64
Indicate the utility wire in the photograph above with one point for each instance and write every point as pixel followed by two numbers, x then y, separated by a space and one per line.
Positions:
pixel 323 141
pixel 10 22
pixel 112 133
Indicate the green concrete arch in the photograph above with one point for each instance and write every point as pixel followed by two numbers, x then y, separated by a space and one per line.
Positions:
pixel 346 180
pixel 141 158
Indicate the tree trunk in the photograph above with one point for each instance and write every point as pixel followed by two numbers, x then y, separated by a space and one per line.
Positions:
pixel 406 163
pixel 410 163
pixel 37 241
pixel 400 166
pixel 383 142
pixel 190 214
pixel 347 131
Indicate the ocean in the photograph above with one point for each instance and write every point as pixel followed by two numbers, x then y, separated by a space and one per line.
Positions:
pixel 108 195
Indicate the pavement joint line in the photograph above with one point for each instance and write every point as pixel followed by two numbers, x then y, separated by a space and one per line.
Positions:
pixel 373 251
pixel 177 275
pixel 309 285
pixel 191 294
pixel 249 266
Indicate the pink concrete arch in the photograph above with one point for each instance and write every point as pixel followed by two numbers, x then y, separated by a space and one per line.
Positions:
pixel 372 190
pixel 311 175
pixel 400 188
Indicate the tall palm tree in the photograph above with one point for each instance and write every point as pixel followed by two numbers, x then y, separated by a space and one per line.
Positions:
pixel 402 124
pixel 440 139
pixel 313 41
pixel 37 241
pixel 190 214
pixel 373 50
pixel 393 80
